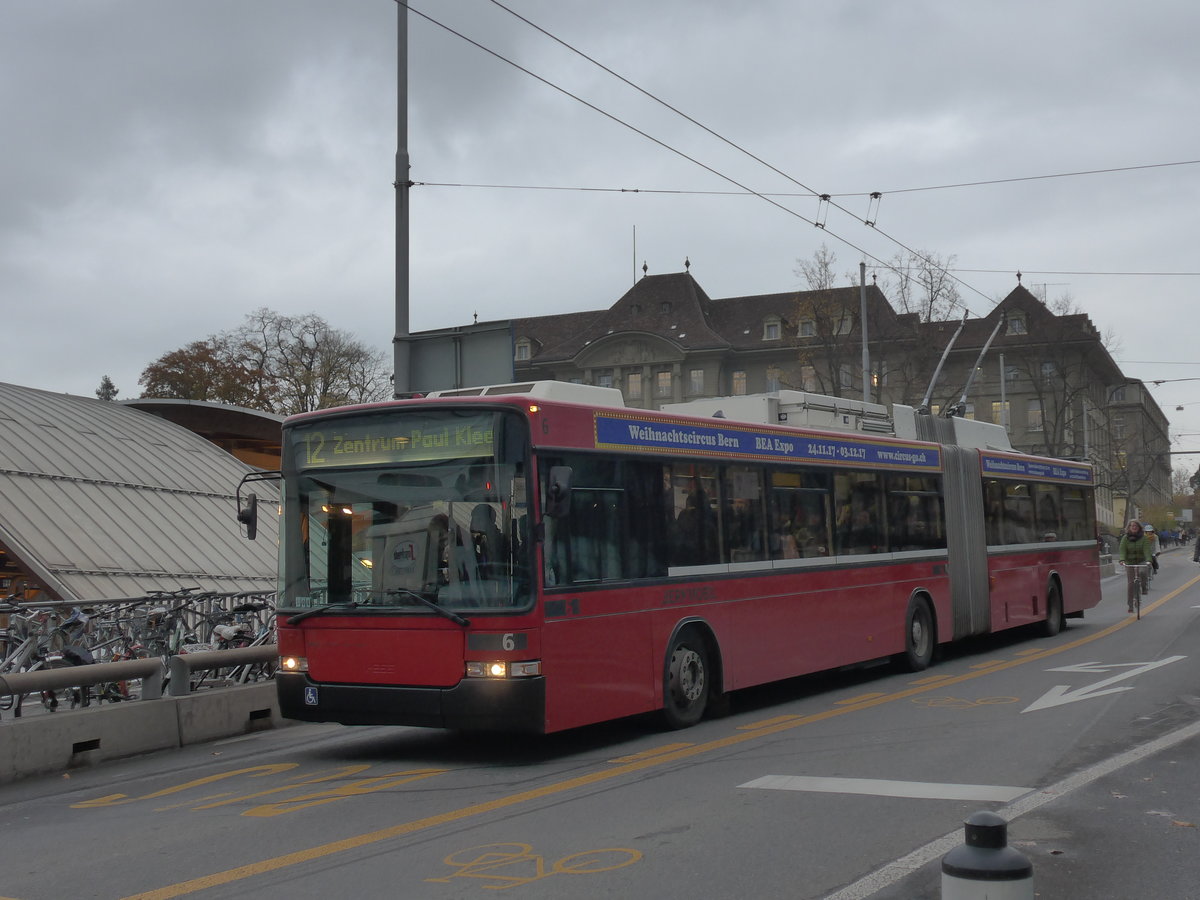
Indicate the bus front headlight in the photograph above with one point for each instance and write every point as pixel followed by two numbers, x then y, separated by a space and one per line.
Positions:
pixel 502 669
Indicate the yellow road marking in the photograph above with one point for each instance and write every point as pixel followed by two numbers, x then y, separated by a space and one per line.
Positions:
pixel 860 698
pixel 932 679
pixel 765 723
pixel 763 729
pixel 647 754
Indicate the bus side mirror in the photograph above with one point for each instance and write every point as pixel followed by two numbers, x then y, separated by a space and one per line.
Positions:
pixel 558 492
pixel 248 515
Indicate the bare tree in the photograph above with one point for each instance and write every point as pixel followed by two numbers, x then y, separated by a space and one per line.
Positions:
pixel 818 272
pixel 920 282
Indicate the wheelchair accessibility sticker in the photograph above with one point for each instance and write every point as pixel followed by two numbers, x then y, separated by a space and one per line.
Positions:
pixel 310 696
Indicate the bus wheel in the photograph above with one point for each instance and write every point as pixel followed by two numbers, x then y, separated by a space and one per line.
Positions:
pixel 919 639
pixel 1054 612
pixel 687 686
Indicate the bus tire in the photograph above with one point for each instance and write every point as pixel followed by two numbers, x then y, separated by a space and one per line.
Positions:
pixel 1054 621
pixel 688 680
pixel 919 637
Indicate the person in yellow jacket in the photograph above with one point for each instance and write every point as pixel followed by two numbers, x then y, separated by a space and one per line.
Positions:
pixel 1135 552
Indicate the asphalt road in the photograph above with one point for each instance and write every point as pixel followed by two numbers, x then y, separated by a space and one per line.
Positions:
pixel 811 788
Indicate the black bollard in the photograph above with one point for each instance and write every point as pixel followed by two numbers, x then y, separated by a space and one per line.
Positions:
pixel 985 867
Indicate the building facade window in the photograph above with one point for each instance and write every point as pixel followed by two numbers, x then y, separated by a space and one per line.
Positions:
pixel 1049 370
pixel 737 384
pixel 845 376
pixel 879 377
pixel 696 381
pixel 662 384
pixel 844 325
pixel 1016 323
pixel 808 378
pixel 1033 413
pixel 1011 374
pixel 1000 412
pixel 771 328
pixel 604 378
pixel 773 376
pixel 1118 428
pixel 524 349
pixel 633 385
pixel 808 328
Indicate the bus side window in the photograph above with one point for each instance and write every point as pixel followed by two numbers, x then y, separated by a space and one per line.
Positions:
pixel 858 519
pixel 915 513
pixel 1018 514
pixel 993 513
pixel 1078 524
pixel 1048 524
pixel 693 528
pixel 595 521
pixel 648 510
pixel 742 515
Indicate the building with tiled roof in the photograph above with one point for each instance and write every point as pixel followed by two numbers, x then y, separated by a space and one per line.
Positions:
pixel 1047 377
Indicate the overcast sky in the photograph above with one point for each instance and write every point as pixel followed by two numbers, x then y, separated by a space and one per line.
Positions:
pixel 171 165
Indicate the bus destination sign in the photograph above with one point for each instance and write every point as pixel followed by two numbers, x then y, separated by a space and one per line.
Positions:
pixel 998 466
pixel 626 433
pixel 377 441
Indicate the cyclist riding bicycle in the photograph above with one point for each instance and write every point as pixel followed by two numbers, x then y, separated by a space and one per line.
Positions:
pixel 1135 554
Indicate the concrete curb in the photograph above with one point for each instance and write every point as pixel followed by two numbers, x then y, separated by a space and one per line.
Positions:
pixel 54 743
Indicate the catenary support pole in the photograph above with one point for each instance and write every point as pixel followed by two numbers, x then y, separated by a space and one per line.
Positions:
pixel 401 370
pixel 866 354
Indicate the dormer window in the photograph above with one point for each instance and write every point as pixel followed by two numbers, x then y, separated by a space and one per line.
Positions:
pixel 771 327
pixel 1016 323
pixel 523 350
pixel 808 328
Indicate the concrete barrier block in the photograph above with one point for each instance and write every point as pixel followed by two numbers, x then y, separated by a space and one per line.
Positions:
pixel 56 742
pixel 226 712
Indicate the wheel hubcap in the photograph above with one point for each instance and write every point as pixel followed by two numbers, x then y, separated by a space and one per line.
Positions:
pixel 687 674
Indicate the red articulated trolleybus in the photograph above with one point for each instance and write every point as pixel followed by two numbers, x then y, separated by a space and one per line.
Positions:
pixel 537 557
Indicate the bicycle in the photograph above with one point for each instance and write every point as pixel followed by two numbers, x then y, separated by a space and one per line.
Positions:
pixel 1137 579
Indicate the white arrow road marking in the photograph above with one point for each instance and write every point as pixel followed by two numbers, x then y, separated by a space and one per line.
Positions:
pixel 1062 694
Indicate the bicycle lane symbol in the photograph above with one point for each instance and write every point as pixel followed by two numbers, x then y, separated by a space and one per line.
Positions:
pixel 512 865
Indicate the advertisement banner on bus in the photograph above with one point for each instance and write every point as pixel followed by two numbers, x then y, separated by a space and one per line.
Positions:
pixel 999 466
pixel 618 432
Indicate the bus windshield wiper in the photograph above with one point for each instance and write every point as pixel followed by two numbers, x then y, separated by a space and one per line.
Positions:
pixel 322 610
pixel 436 607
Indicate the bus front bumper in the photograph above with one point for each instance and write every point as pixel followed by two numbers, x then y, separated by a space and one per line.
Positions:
pixel 484 704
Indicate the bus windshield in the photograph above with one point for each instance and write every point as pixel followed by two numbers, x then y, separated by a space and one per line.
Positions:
pixel 403 510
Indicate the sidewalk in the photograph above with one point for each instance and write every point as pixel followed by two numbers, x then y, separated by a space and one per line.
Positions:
pixel 1125 829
